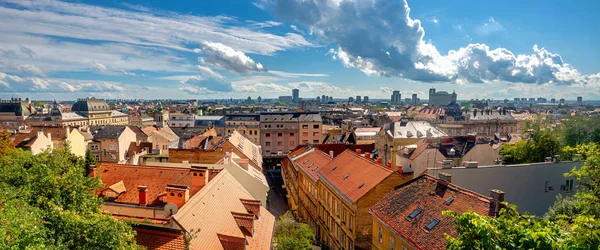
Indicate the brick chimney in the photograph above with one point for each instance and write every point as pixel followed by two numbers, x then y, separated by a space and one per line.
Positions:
pixel 358 151
pixel 92 171
pixel 389 165
pixel 445 177
pixel 379 160
pixel 497 196
pixel 178 194
pixel 143 195
pixel 368 155
pixel 199 176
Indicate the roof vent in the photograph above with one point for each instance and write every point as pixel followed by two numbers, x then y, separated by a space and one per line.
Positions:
pixel 409 134
pixel 414 213
pixel 361 185
pixel 334 167
pixel 315 168
pixel 346 176
pixel 449 200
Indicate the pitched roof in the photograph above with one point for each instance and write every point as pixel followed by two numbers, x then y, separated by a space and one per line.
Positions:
pixel 139 134
pixel 25 139
pixel 107 132
pixel 135 147
pixel 311 162
pixel 166 133
pixel 209 213
pixel 415 129
pixel 352 175
pixel 339 148
pixel 431 196
pixel 185 133
pixel 249 149
pixel 155 178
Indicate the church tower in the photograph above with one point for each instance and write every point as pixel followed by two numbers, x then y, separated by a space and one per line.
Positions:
pixel 161 118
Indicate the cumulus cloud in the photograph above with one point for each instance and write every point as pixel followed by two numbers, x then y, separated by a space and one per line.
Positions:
pixel 384 40
pixel 259 87
pixel 194 90
pixel 225 57
pixel 293 75
pixel 318 87
pixel 385 89
pixel 30 69
pixel 209 72
pixel 208 83
pixel 11 83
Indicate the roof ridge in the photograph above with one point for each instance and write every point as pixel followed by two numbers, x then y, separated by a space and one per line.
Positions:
pixel 460 189
pixel 141 166
pixel 369 161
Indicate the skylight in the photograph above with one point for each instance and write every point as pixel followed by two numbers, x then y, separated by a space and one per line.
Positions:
pixel 432 224
pixel 305 161
pixel 450 200
pixel 315 168
pixel 361 185
pixel 334 167
pixel 414 213
pixel 312 164
pixel 346 176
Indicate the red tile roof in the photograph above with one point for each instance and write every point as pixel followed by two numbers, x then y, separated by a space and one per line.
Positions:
pixel 354 175
pixel 339 148
pixel 430 195
pixel 312 162
pixel 155 178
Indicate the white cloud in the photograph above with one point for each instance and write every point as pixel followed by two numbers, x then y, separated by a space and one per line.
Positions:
pixel 435 20
pixel 396 47
pixel 27 51
pixel 30 69
pixel 488 27
pixel 319 87
pixel 194 90
pixel 265 24
pixel 259 87
pixel 99 66
pixel 12 84
pixel 129 73
pixel 457 26
pixel 385 89
pixel 295 28
pixel 209 72
pixel 208 83
pixel 289 74
pixel 225 57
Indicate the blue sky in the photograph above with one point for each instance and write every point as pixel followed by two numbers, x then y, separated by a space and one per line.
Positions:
pixel 234 49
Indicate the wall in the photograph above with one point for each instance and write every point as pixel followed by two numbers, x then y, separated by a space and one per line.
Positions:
pixel 77 142
pixel 399 243
pixel 524 185
pixel 42 142
pixel 484 154
pixel 429 158
pixel 126 138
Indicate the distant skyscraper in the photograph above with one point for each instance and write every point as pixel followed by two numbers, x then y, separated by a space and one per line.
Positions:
pixel 323 99
pixel 579 100
pixel 414 99
pixel 366 99
pixel 331 98
pixel 440 98
pixel 358 99
pixel 552 100
pixel 318 99
pixel 517 99
pixel 259 99
pixel 562 101
pixel 351 99
pixel 396 97
pixel 295 95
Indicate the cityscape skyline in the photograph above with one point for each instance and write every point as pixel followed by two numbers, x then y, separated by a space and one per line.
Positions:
pixel 222 53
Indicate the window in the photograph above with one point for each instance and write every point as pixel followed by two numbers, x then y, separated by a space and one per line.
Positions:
pixel 432 224
pixel 316 126
pixel 279 143
pixel 279 134
pixel 315 141
pixel 292 143
pixel 268 135
pixel 97 157
pixel 268 144
pixel 304 126
pixel 449 200
pixel 414 213
pixel 291 134
pixel 380 235
pixel 95 147
pixel 315 133
pixel 304 134
pixel 392 242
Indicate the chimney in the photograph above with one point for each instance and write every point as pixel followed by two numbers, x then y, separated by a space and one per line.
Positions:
pixel 92 171
pixel 379 160
pixel 368 155
pixel 143 195
pixel 399 169
pixel 474 112
pixel 358 151
pixel 497 196
pixel 331 154
pixel 178 194
pixel 389 165
pixel 445 177
pixel 199 176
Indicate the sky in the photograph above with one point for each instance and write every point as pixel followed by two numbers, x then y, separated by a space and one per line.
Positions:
pixel 225 49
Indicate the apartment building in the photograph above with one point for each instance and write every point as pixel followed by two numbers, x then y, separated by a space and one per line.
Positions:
pixel 61 136
pixel 333 195
pixel 110 143
pixel 410 216
pixel 246 124
pixel 282 132
pixel 33 140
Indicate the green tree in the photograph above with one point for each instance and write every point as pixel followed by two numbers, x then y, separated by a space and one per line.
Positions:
pixel 540 142
pixel 579 130
pixel 6 144
pixel 511 230
pixel 89 160
pixel 46 202
pixel 588 176
pixel 291 235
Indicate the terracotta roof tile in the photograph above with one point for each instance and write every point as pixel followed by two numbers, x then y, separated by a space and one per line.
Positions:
pixel 339 148
pixel 312 161
pixel 155 178
pixel 354 175
pixel 431 196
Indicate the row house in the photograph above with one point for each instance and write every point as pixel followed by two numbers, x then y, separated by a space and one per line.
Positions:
pixel 410 216
pixel 162 139
pixel 110 143
pixel 33 140
pixel 246 124
pixel 332 193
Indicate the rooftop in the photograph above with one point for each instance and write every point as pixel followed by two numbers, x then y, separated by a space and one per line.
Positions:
pixel 414 210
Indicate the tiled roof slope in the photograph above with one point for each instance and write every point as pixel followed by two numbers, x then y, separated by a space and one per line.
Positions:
pixel 209 213
pixel 312 162
pixel 155 178
pixel 249 149
pixel 354 175
pixel 339 148
pixel 107 132
pixel 430 195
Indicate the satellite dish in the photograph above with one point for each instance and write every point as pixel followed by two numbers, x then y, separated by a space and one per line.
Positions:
pixel 171 208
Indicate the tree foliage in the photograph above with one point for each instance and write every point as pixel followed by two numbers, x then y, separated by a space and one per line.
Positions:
pixel 512 230
pixel 540 142
pixel 46 202
pixel 6 144
pixel 291 235
pixel 579 130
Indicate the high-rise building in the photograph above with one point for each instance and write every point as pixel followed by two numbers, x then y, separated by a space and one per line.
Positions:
pixel 351 99
pixel 331 98
pixel 579 100
pixel 323 99
pixel 358 99
pixel 440 98
pixel 295 95
pixel 396 97
pixel 552 100
pixel 366 99
pixel 414 100
pixel 562 101
pixel 259 99
pixel 517 99
pixel 318 99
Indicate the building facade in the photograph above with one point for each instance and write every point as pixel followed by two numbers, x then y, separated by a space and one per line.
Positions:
pixel 246 124
pixel 440 98
pixel 282 132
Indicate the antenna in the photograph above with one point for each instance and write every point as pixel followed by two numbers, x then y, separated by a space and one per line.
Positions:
pixel 171 208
